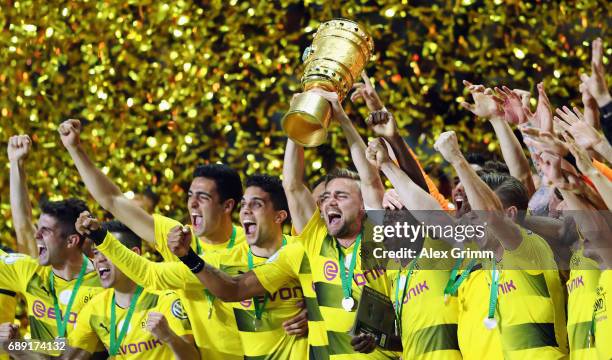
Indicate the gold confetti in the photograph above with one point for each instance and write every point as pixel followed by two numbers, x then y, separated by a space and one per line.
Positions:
pixel 210 81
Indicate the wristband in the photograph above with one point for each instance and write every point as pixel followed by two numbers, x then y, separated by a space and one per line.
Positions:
pixel 193 261
pixel 97 236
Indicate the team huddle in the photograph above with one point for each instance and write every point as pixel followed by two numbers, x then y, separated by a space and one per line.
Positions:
pixel 285 281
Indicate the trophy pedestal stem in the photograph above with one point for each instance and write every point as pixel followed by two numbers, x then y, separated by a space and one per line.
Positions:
pixel 307 120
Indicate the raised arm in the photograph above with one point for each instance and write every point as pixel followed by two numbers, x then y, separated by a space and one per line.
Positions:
pixel 589 221
pixel 103 190
pixel 220 284
pixel 299 198
pixel 21 207
pixel 586 136
pixel 585 165
pixel 149 274
pixel 409 192
pixel 479 195
pixel 371 186
pixel 511 149
pixel 383 124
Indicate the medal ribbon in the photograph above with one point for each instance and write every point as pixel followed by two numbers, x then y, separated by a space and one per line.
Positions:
pixel 260 306
pixel 115 342
pixel 230 245
pixel 493 292
pixel 452 285
pixel 347 279
pixel 399 302
pixel 62 320
pixel 210 297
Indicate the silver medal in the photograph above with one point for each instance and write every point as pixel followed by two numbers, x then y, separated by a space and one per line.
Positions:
pixel 490 323
pixel 348 303
pixel 257 323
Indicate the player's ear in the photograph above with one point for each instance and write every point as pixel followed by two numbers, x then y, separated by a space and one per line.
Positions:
pixel 512 212
pixel 281 216
pixel 73 241
pixel 229 205
pixel 137 250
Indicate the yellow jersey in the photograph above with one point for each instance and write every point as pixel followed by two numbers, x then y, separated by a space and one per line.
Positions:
pixel 8 304
pixel 22 274
pixel 94 322
pixel 323 255
pixel 268 340
pixel 291 263
pixel 428 323
pixel 8 301
pixel 602 312
pixel 581 290
pixel 530 308
pixel 165 275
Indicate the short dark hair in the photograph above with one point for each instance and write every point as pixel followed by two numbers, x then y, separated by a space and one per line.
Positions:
pixel 510 190
pixel 477 158
pixel 341 174
pixel 496 166
pixel 227 180
pixel 273 186
pixel 66 212
pixel 126 236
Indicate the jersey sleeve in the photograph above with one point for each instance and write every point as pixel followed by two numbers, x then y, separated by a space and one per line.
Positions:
pixel 281 268
pixel 162 227
pixel 15 271
pixel 175 314
pixel 84 336
pixel 313 233
pixel 149 274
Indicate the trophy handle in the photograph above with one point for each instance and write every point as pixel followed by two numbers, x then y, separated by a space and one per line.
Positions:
pixel 307 120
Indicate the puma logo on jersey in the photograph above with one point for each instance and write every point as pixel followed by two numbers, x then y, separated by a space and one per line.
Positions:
pixel 104 327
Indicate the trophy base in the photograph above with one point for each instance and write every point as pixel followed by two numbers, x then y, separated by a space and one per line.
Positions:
pixel 307 120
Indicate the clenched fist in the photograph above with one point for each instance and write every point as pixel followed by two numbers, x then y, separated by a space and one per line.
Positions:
pixel 70 132
pixel 377 153
pixel 86 223
pixel 18 148
pixel 158 326
pixel 179 240
pixel 383 123
pixel 448 146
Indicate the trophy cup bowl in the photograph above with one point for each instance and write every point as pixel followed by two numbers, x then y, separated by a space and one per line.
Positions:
pixel 339 52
